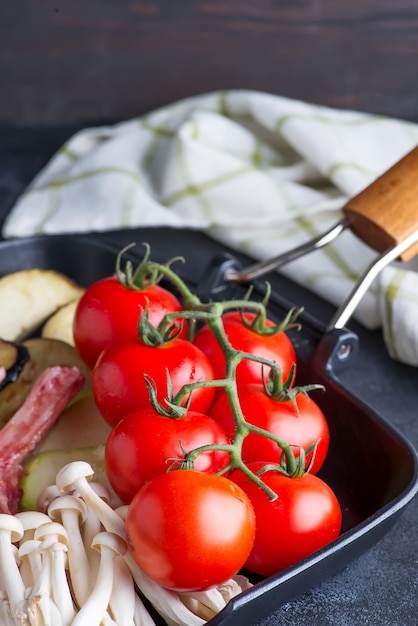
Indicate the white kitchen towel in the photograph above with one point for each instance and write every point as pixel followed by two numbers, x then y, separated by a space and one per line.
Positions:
pixel 259 172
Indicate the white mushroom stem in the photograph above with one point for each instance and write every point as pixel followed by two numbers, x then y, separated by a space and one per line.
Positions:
pixel 92 527
pixel 197 607
pixel 141 615
pixel 93 611
pixel 122 511
pixel 108 621
pixel 54 546
pixel 21 614
pixel 74 477
pixel 6 618
pixel 61 593
pixel 212 599
pixel 71 512
pixel 166 602
pixel 41 607
pixel 11 531
pixel 30 562
pixel 217 598
pixel 209 603
pixel 30 520
pixel 234 586
pixel 122 599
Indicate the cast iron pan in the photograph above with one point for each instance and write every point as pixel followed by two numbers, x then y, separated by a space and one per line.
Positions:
pixel 373 491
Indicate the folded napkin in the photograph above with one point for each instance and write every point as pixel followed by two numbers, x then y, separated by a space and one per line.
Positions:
pixel 259 172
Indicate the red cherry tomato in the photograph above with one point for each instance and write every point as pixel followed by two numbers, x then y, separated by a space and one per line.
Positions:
pixel 190 531
pixel 118 381
pixel 144 444
pixel 109 311
pixel 277 348
pixel 300 426
pixel 305 517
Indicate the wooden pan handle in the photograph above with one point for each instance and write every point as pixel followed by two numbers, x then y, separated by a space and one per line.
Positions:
pixel 386 212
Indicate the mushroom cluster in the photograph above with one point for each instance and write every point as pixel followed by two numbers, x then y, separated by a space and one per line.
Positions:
pixel 67 564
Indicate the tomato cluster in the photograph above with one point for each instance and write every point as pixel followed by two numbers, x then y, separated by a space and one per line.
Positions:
pixel 212 445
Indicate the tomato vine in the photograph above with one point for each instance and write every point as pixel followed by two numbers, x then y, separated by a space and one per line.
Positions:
pixel 211 313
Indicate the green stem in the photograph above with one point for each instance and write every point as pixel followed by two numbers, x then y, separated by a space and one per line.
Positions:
pixel 212 313
pixel 235 462
pixel 190 300
pixel 204 311
pixel 242 428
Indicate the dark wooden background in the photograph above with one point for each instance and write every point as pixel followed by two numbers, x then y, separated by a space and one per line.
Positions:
pixel 81 60
pixel 66 63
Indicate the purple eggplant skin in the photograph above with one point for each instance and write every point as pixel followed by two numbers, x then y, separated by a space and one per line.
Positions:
pixel 13 358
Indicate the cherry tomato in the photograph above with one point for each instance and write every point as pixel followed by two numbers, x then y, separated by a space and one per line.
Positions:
pixel 300 426
pixel 305 517
pixel 190 531
pixel 118 377
pixel 277 348
pixel 144 444
pixel 109 311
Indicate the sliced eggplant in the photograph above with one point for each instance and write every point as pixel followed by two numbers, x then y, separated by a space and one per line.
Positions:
pixel 41 470
pixel 13 357
pixel 42 353
pixel 60 324
pixel 29 297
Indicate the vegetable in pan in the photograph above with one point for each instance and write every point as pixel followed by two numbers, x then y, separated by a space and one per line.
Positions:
pixel 267 421
pixel 206 486
pixel 109 309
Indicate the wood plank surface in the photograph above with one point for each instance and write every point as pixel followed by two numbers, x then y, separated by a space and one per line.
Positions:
pixel 114 59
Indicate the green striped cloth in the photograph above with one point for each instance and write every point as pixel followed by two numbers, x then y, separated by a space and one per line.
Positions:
pixel 259 172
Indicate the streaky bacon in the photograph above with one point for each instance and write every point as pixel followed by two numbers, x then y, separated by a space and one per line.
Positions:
pixel 49 396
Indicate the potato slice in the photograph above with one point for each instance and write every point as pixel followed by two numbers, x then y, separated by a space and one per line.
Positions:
pixel 43 353
pixel 29 297
pixel 60 325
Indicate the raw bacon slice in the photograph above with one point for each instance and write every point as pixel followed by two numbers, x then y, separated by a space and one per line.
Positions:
pixel 19 437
